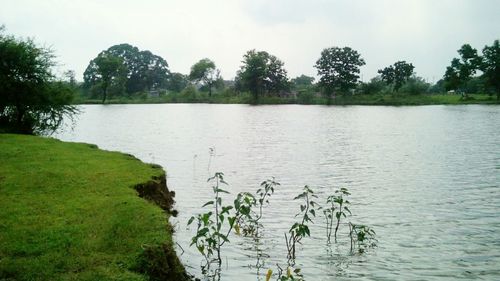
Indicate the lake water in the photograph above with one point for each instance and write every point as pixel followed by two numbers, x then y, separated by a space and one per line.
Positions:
pixel 426 178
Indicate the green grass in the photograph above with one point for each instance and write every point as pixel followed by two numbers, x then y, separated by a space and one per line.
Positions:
pixel 69 211
pixel 245 98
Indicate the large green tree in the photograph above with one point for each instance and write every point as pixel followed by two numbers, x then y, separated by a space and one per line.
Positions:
pixel 144 70
pixel 108 71
pixel 462 69
pixel 397 74
pixel 262 73
pixel 206 73
pixel 338 69
pixel 490 66
pixel 32 100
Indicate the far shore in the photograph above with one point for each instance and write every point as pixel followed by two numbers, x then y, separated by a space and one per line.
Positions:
pixel 379 99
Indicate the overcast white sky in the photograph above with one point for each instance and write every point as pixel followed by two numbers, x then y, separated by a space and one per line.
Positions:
pixel 424 32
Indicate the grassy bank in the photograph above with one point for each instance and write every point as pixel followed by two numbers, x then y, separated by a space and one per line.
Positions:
pixel 379 99
pixel 72 212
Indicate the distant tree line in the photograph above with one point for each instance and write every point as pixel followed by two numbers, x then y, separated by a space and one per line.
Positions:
pixel 125 71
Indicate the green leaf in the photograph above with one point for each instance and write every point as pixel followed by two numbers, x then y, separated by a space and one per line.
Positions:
pixel 208 203
pixel 231 221
pixel 202 232
pixel 190 220
pixel 226 209
pixel 306 229
pixel 302 195
pixel 201 248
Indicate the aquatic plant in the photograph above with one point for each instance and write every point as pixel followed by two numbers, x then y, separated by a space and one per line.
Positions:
pixel 211 234
pixel 362 237
pixel 299 230
pixel 244 215
pixel 263 193
pixel 337 208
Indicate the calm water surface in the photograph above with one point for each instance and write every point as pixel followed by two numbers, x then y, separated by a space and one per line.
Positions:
pixel 426 178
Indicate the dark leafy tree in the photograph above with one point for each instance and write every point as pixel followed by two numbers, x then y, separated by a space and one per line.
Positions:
pixel 177 82
pixel 490 66
pixel 397 74
pixel 153 72
pixel 32 101
pixel 106 71
pixel 144 70
pixel 462 69
pixel 262 73
pixel 206 73
pixel 338 69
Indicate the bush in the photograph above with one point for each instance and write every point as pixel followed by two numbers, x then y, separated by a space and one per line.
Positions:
pixel 305 97
pixel 375 86
pixel 189 93
pixel 415 86
pixel 32 101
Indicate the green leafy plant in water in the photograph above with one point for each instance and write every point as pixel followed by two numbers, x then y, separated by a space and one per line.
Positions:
pixel 211 234
pixel 362 237
pixel 263 193
pixel 299 230
pixel 338 207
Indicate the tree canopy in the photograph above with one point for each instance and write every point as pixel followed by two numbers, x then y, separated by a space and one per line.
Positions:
pixel 462 69
pixel 338 69
pixel 143 69
pixel 490 66
pixel 206 73
pixel 397 74
pixel 262 73
pixel 111 71
pixel 32 100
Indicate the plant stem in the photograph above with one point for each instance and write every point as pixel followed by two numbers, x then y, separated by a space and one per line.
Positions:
pixel 217 218
pixel 338 221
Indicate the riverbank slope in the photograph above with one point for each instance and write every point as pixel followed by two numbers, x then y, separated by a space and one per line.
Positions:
pixel 70 211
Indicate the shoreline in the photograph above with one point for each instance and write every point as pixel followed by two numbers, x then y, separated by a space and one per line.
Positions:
pixel 372 100
pixel 73 211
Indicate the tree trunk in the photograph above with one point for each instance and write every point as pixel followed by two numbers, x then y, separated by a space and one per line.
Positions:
pixel 104 94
